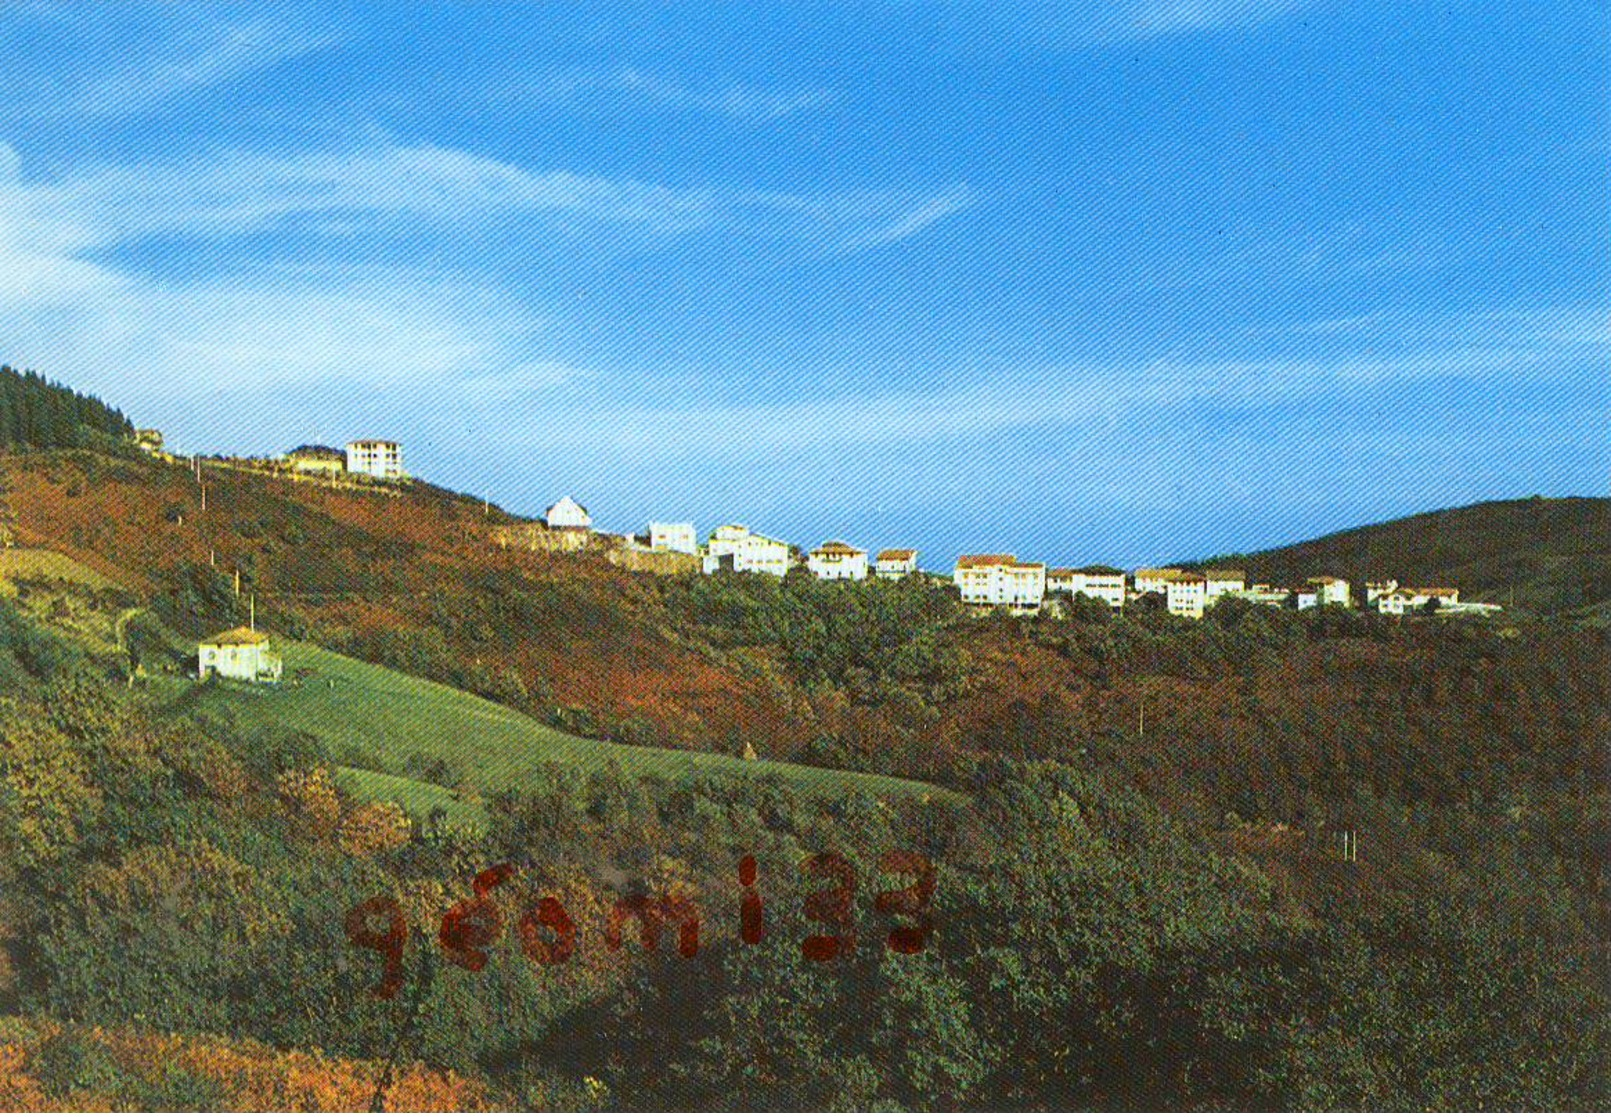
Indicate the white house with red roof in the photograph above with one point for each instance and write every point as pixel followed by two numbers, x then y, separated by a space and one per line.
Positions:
pixel 895 563
pixel 836 561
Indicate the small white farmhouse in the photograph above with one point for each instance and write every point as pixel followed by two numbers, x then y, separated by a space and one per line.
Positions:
pixel 239 653
pixel 838 562
pixel 673 537
pixel 1373 590
pixel 896 563
pixel 375 457
pixel 567 514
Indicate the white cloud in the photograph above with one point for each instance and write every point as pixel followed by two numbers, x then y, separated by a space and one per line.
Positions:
pixel 133 58
pixel 1060 24
pixel 1091 398
pixel 920 217
pixel 1167 17
pixel 72 303
pixel 734 100
pixel 739 101
pixel 388 187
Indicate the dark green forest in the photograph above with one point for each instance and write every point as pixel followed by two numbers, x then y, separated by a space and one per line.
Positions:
pixel 36 413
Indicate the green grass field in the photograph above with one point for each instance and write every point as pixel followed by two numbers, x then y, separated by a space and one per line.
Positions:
pixel 416 797
pixel 23 563
pixel 375 718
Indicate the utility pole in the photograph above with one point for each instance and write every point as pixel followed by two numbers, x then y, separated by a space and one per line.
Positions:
pixel 252 623
pixel 1141 720
pixel 237 581
pixel 204 498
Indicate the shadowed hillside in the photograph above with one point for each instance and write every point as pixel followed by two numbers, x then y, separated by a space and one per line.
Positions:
pixel 1549 556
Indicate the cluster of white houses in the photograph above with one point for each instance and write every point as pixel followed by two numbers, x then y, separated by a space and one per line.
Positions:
pixel 1002 581
pixel 984 581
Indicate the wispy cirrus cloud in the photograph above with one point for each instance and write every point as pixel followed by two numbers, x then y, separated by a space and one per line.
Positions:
pixel 72 299
pixel 404 188
pixel 915 220
pixel 1168 17
pixel 135 58
pixel 1083 23
pixel 630 84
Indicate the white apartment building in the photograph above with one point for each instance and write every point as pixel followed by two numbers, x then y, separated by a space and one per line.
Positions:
pixel 374 457
pixel 895 563
pixel 1308 598
pixel 1330 591
pixel 1222 582
pixel 734 547
pixel 1106 583
pixel 838 562
pixel 1273 596
pixel 674 537
pixel 567 514
pixel 1154 579
pixel 1186 594
pixel 1001 580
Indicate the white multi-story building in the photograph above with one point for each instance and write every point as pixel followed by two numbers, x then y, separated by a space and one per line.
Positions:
pixel 1186 594
pixel 568 514
pixel 734 547
pixel 674 537
pixel 1308 598
pixel 838 562
pixel 1105 583
pixel 1373 590
pixel 1001 580
pixel 374 457
pixel 1222 582
pixel 1262 594
pixel 1329 590
pixel 896 563
pixel 1154 579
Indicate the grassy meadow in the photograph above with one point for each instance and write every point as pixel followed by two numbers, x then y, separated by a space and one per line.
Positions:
pixel 378 720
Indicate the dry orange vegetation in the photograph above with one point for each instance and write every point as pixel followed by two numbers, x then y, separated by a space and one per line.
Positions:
pixel 373 563
pixel 236 1074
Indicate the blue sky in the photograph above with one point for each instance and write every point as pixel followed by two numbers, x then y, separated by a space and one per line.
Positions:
pixel 1123 281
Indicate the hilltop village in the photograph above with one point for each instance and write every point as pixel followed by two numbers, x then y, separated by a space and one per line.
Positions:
pixel 982 581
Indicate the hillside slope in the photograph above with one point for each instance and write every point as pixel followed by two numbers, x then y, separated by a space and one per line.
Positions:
pixel 379 720
pixel 1548 556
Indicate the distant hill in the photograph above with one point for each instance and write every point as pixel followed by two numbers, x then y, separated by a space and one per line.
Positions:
pixel 1549 556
